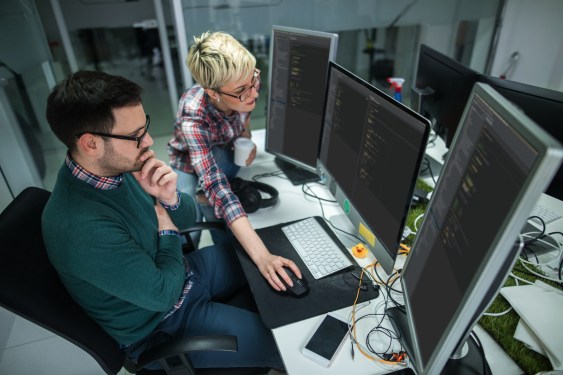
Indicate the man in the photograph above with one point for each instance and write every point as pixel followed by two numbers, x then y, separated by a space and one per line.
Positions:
pixel 111 231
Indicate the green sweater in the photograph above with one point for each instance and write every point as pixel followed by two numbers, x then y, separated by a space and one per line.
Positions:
pixel 105 246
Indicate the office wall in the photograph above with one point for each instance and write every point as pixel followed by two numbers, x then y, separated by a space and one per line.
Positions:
pixel 92 14
pixel 258 16
pixel 534 28
pixel 19 28
pixel 5 193
pixel 18 167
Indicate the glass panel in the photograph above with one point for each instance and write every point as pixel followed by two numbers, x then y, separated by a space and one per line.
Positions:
pixel 377 39
pixel 135 53
pixel 21 72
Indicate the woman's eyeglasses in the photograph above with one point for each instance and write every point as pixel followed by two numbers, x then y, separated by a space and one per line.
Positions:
pixel 245 94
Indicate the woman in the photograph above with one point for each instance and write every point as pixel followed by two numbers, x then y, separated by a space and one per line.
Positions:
pixel 211 115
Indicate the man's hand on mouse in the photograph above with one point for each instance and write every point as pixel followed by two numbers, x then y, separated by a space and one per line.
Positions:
pixel 271 267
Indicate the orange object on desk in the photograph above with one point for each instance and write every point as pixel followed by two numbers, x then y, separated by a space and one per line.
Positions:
pixel 360 251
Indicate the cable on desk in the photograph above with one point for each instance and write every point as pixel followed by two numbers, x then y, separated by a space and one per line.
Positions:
pixel 554 246
pixel 516 278
pixel 429 169
pixel 313 195
pixel 414 224
pixel 561 261
pixel 481 351
pixel 545 277
pixel 432 140
pixel 541 233
pixel 557 258
pixel 389 283
pixel 381 357
pixel 278 173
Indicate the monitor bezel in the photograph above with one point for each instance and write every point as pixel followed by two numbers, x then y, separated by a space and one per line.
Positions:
pixel 423 95
pixel 333 37
pixel 486 281
pixel 385 257
pixel 522 92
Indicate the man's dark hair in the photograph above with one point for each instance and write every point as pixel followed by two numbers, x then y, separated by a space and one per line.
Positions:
pixel 84 102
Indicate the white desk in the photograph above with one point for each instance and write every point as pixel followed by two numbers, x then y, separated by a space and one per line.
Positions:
pixel 294 205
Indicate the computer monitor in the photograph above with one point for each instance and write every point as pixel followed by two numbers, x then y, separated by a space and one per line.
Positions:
pixel 543 106
pixel 371 151
pixel 298 68
pixel 499 163
pixel 441 89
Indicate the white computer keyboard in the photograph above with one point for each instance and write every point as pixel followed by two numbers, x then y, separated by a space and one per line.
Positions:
pixel 319 252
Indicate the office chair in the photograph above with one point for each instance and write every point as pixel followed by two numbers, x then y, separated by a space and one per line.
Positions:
pixel 30 288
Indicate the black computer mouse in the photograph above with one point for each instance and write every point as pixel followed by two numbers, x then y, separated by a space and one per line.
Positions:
pixel 299 288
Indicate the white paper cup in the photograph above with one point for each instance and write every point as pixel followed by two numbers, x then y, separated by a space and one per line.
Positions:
pixel 243 147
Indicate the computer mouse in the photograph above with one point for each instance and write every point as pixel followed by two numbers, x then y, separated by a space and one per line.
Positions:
pixel 299 288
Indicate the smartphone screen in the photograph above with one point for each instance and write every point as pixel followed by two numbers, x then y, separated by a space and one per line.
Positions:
pixel 326 340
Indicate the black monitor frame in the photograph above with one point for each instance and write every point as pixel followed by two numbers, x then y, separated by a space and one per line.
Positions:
pixel 441 89
pixel 378 219
pixel 539 156
pixel 299 162
pixel 543 106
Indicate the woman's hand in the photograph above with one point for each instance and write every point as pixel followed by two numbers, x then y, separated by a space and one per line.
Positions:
pixel 272 268
pixel 251 156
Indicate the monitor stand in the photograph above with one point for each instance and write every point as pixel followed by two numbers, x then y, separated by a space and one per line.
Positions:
pixel 295 174
pixel 468 359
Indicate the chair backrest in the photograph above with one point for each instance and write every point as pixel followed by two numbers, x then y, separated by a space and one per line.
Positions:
pixel 30 286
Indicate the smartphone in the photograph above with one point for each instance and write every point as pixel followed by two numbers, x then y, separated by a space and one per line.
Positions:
pixel 323 345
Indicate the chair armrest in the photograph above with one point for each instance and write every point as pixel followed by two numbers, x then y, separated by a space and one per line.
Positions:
pixel 170 354
pixel 199 226
pixel 205 225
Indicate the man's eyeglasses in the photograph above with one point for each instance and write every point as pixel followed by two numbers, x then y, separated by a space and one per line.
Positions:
pixel 245 94
pixel 138 139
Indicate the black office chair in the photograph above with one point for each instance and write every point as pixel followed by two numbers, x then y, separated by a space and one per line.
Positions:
pixel 30 288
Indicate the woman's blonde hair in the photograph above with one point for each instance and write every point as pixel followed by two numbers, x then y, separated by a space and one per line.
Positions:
pixel 217 59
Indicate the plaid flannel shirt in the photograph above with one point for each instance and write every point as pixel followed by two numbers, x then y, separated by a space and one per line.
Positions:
pixel 198 128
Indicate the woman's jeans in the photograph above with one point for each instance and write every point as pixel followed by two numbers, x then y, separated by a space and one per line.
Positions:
pixel 188 183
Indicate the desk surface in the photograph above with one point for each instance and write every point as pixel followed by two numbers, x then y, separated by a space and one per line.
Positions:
pixel 294 205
